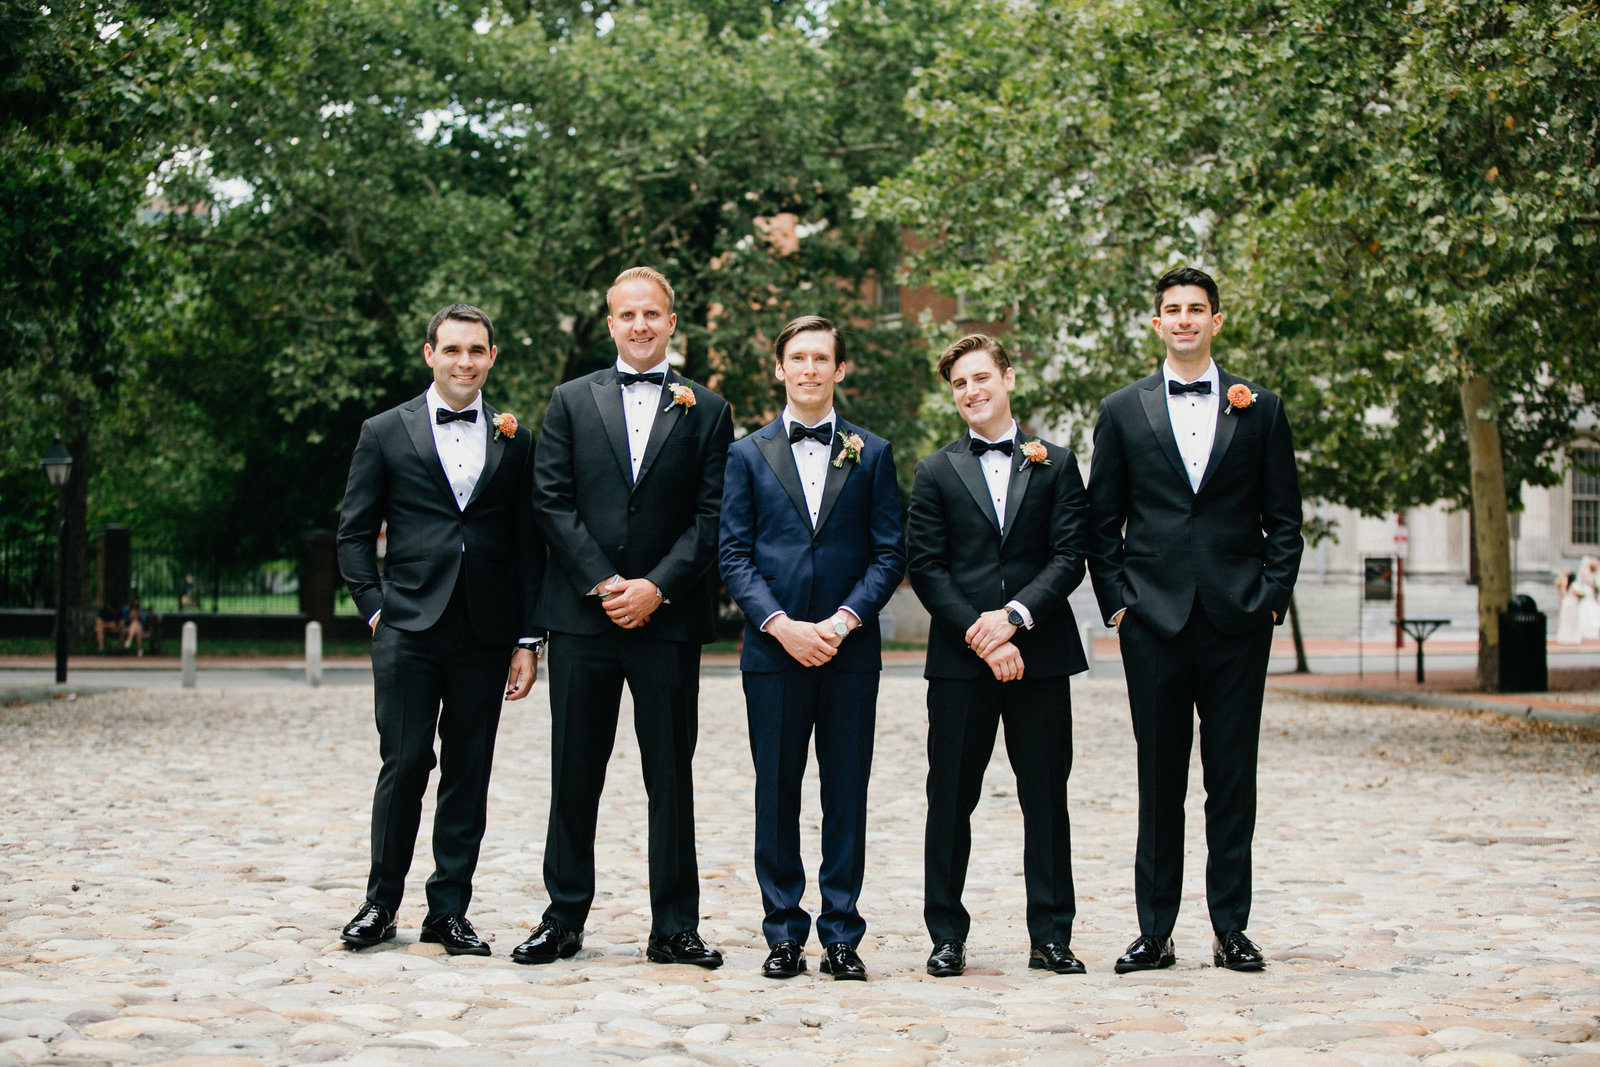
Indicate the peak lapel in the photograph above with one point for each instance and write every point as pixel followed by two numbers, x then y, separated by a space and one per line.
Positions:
pixel 833 485
pixel 1226 425
pixel 969 469
pixel 608 399
pixel 1021 473
pixel 664 423
pixel 494 451
pixel 415 417
pixel 1154 398
pixel 775 449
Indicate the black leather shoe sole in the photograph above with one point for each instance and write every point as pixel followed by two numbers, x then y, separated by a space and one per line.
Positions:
pixel 843 975
pixel 452 946
pixel 1037 963
pixel 1220 960
pixel 710 961
pixel 946 970
pixel 1125 967
pixel 359 941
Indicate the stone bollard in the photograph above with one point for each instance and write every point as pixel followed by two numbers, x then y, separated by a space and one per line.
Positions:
pixel 1089 630
pixel 191 639
pixel 313 653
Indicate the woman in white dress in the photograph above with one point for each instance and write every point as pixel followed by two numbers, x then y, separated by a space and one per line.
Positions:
pixel 1567 610
pixel 1588 584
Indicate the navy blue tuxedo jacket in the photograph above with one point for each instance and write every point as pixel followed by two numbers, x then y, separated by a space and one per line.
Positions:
pixel 962 565
pixel 395 476
pixel 599 520
pixel 1156 543
pixel 772 560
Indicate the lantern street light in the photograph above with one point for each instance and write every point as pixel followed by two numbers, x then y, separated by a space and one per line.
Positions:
pixel 57 464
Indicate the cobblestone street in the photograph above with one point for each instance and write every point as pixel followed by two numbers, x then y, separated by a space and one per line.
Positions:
pixel 174 869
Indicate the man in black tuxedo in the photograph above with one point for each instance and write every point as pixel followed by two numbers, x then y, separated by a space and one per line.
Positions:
pixel 812 549
pixel 996 539
pixel 628 486
pixel 453 480
pixel 1194 548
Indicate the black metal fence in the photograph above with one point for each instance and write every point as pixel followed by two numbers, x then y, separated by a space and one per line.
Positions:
pixel 166 582
pixel 27 571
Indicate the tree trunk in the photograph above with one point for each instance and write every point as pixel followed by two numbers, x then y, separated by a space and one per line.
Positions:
pixel 1301 664
pixel 1491 528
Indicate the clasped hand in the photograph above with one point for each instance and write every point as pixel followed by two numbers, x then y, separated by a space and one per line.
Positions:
pixel 629 602
pixel 811 644
pixel 990 632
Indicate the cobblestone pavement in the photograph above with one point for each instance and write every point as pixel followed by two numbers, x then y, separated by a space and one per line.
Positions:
pixel 174 868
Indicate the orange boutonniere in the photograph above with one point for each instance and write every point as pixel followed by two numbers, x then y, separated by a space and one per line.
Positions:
pixel 682 397
pixel 853 444
pixel 1240 397
pixel 1035 452
pixel 505 425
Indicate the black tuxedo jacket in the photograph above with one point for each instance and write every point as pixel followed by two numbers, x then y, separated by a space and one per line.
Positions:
pixel 1156 543
pixel 599 521
pixel 395 476
pixel 962 565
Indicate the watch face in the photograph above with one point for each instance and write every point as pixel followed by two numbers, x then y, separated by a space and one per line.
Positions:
pixel 841 628
pixel 1014 617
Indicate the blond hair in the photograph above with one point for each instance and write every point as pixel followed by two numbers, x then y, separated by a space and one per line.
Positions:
pixel 643 274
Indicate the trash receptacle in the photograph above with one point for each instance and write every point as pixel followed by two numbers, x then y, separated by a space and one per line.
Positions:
pixel 1523 666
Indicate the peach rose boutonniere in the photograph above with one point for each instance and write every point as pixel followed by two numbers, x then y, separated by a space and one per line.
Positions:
pixel 851 450
pixel 505 425
pixel 1034 452
pixel 682 397
pixel 1240 397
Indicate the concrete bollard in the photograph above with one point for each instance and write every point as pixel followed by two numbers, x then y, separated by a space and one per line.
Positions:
pixel 191 640
pixel 313 653
pixel 1089 629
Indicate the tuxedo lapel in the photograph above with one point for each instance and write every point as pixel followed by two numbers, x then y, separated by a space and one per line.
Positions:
pixel 838 473
pixel 491 457
pixel 664 424
pixel 775 449
pixel 969 469
pixel 1154 397
pixel 608 400
pixel 1226 425
pixel 415 417
pixel 1021 473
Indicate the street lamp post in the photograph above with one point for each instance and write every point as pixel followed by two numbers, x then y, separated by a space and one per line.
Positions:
pixel 57 464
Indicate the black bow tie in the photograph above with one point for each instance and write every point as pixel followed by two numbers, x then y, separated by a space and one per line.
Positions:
pixel 820 434
pixel 980 447
pixel 654 377
pixel 1179 388
pixel 444 415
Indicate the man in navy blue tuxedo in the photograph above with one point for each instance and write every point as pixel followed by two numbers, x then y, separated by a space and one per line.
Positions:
pixel 1194 545
pixel 811 548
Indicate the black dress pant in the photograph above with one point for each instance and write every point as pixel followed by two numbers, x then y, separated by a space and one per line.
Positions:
pixel 963 717
pixel 1170 679
pixel 586 677
pixel 444 681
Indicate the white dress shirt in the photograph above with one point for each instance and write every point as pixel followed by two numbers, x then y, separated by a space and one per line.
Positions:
pixel 641 402
pixel 997 475
pixel 811 458
pixel 1194 423
pixel 461 446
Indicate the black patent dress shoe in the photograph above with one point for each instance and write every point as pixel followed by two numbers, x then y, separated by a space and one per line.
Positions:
pixel 1146 954
pixel 550 941
pixel 1054 956
pixel 684 946
pixel 455 934
pixel 1237 952
pixel 840 960
pixel 949 958
pixel 787 959
pixel 373 924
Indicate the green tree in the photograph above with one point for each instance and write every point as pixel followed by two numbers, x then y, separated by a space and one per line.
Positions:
pixel 1399 202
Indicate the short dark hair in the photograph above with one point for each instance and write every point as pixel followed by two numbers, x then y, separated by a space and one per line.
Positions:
pixel 1188 276
pixel 973 342
pixel 806 324
pixel 459 313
